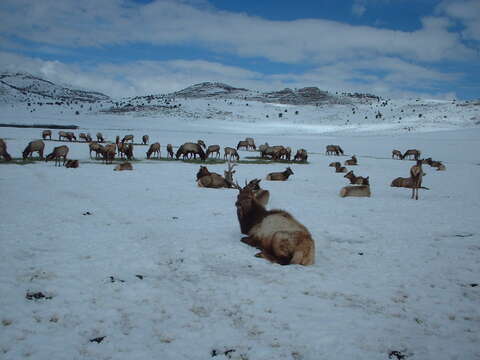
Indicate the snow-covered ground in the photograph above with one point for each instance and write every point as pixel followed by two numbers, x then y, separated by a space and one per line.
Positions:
pixel 154 264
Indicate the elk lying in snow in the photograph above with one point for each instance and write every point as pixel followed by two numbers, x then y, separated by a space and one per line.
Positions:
pixel 355 190
pixel 352 161
pixel 47 133
pixel 435 164
pixel 154 149
pixel 356 180
pixel 335 164
pixel 301 155
pixel 405 183
pixel 213 149
pixel 145 139
pixel 339 168
pixel 280 176
pixel 397 154
pixel 3 150
pixel 412 152
pixel 230 153
pixel 34 146
pixel 57 153
pixel 123 166
pixel 261 195
pixel 277 234
pixel 127 138
pixel 209 179
pixel 94 146
pixel 100 138
pixel 170 150
pixel 72 164
pixel 190 149
pixel 333 150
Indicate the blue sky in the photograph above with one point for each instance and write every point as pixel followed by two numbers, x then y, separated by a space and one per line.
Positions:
pixel 394 48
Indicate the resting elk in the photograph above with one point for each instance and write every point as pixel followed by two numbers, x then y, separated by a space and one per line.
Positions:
pixel 357 180
pixel 201 143
pixel 123 166
pixel 213 149
pixel 47 133
pixel 352 161
pixel 145 139
pixel 34 146
pixel 277 234
pixel 72 164
pixel 154 149
pixel 190 148
pixel 3 150
pixel 339 168
pixel 355 190
pixel 280 176
pixel 416 173
pixel 57 153
pixel 108 153
pixel 230 153
pixel 435 164
pixel 71 136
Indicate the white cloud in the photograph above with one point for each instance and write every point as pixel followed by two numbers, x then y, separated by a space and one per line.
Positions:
pixel 359 7
pixel 465 11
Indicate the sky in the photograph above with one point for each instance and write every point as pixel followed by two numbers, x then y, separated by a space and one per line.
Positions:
pixel 391 48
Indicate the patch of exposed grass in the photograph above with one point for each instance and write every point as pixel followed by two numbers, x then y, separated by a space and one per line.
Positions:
pixel 259 160
pixel 19 161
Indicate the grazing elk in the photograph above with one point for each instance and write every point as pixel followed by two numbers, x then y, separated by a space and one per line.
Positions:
pixel 230 153
pixel 72 164
pixel 100 138
pixel 263 147
pixel 123 166
pixel 170 150
pixel 357 180
pixel 416 173
pixel 154 149
pixel 301 155
pixel 145 139
pixel 108 153
pixel 435 164
pixel 213 149
pixel 71 136
pixel 98 148
pixel 339 168
pixel 352 161
pixel 89 137
pixel 274 152
pixel 128 150
pixel 242 144
pixel 188 149
pixel 355 190
pixel 412 152
pixel 127 138
pixel 3 150
pixel 277 234
pixel 397 154
pixel 47 133
pixel 83 136
pixel 57 153
pixel 202 144
pixel 280 176
pixel 333 150
pixel 62 134
pixel 34 146
pixel 251 143
pixel 287 153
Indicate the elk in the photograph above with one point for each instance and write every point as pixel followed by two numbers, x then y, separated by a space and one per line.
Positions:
pixel 123 166
pixel 3 150
pixel 355 190
pixel 89 138
pixel 278 235
pixel 339 168
pixel 170 150
pixel 261 195
pixel 34 146
pixel 251 143
pixel 57 153
pixel 243 144
pixel 208 179
pixel 47 133
pixel 397 154
pixel 333 150
pixel 280 176
pixel 357 180
pixel 71 136
pixel 98 148
pixel 230 152
pixel 83 136
pixel 275 152
pixel 201 143
pixel 72 164
pixel 145 139
pixel 190 148
pixel 127 138
pixel 108 152
pixel 287 153
pixel 213 149
pixel 128 150
pixel 154 148
pixel 436 164
pixel 335 164
pixel 100 138
pixel 263 147
pixel 301 155
pixel 62 134
pixel 416 173
pixel 405 183
pixel 352 161
pixel 412 152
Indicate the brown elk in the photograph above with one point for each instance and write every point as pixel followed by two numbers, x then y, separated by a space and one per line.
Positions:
pixel 71 136
pixel 412 152
pixel 213 149
pixel 435 164
pixel 108 153
pixel 202 144
pixel 170 150
pixel 352 161
pixel 98 148
pixel 62 134
pixel 280 176
pixel 416 173
pixel 189 149
pixel 47 133
pixel 274 152
pixel 301 155
pixel 335 164
pixel 357 180
pixel 83 136
pixel 397 154
pixel 145 139
pixel 333 150
pixel 154 148
pixel 3 150
pixel 287 153
pixel 89 137
pixel 72 164
pixel 100 138
pixel 123 166
pixel 34 146
pixel 128 150
pixel 277 234
pixel 251 143
pixel 261 195
pixel 405 183
pixel 230 153
pixel 57 153
pixel 339 168
pixel 242 144
pixel 263 147
pixel 208 179
pixel 127 138
pixel 355 190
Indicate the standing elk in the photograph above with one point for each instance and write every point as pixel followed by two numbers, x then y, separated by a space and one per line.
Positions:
pixel 280 176
pixel 3 150
pixel 251 143
pixel 263 147
pixel 57 153
pixel 34 146
pixel 154 148
pixel 62 134
pixel 242 144
pixel 145 139
pixel 301 155
pixel 274 152
pixel 397 154
pixel 405 183
pixel 98 148
pixel 278 235
pixel 127 138
pixel 123 166
pixel 416 173
pixel 170 150
pixel 333 150
pixel 71 136
pixel 352 161
pixel 83 136
pixel 230 153
pixel 100 138
pixel 47 133
pixel 213 149
pixel 357 180
pixel 72 164
pixel 108 153
pixel 355 190
pixel 188 149
pixel 202 144
pixel 412 152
